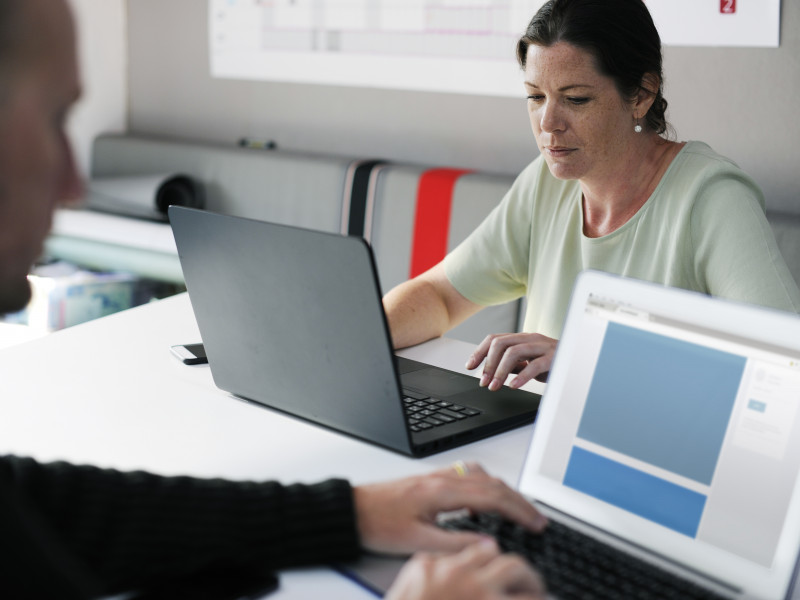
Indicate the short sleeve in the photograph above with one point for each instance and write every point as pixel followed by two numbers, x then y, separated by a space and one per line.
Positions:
pixel 491 265
pixel 736 255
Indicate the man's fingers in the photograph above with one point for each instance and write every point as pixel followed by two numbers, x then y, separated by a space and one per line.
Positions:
pixel 433 538
pixel 510 573
pixel 487 494
pixel 461 469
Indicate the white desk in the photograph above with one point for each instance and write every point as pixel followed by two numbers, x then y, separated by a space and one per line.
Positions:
pixel 109 392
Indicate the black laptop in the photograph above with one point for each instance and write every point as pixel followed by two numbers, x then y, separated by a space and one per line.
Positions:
pixel 292 319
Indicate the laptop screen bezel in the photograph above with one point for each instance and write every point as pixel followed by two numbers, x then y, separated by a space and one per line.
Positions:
pixel 747 322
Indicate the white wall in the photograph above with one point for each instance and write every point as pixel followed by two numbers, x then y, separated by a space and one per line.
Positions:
pixel 102 50
pixel 741 101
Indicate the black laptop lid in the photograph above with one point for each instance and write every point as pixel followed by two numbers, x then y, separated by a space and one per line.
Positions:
pixel 292 319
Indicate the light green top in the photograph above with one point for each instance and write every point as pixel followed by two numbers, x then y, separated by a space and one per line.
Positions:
pixel 703 229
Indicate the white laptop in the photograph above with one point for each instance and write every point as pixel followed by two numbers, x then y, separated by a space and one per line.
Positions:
pixel 670 428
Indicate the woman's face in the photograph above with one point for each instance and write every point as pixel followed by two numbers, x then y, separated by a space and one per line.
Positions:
pixel 581 122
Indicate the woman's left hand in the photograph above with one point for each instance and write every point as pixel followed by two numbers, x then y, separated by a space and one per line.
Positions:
pixel 529 355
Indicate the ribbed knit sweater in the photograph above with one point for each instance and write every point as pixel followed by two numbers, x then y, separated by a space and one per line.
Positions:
pixel 76 531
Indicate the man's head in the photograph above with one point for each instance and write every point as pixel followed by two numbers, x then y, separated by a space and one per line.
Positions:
pixel 38 85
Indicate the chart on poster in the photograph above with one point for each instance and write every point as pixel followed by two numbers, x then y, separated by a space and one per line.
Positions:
pixel 460 46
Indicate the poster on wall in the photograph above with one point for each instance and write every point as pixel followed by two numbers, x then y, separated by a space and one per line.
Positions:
pixel 729 23
pixel 458 46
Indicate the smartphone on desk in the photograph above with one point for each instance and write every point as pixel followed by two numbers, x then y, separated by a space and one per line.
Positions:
pixel 190 354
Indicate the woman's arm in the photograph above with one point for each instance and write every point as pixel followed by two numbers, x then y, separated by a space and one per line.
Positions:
pixel 425 307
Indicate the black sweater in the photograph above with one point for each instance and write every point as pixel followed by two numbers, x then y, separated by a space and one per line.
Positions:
pixel 77 531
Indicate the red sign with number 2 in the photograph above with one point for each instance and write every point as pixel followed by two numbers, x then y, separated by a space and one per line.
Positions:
pixel 727 7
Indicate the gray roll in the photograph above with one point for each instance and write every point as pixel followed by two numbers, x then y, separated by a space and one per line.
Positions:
pixel 144 196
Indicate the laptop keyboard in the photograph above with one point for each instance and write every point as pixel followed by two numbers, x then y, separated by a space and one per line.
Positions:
pixel 423 412
pixel 575 565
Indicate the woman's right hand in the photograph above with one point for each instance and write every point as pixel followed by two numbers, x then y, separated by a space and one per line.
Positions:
pixel 479 572
pixel 529 355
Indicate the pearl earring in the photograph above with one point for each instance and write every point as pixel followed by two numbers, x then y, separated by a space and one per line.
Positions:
pixel 638 127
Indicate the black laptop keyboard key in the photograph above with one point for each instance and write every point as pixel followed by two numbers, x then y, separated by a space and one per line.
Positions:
pixel 424 412
pixel 575 565
pixel 453 415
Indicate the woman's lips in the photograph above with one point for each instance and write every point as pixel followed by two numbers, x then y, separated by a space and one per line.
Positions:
pixel 559 151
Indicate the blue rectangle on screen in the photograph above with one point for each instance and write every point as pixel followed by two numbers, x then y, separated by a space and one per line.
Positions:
pixel 640 493
pixel 662 400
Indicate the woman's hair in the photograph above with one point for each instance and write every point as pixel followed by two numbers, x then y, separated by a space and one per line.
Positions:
pixel 619 34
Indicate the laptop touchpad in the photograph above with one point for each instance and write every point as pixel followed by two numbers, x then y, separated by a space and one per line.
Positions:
pixel 439 383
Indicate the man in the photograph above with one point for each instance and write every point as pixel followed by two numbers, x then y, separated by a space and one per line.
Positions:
pixel 72 532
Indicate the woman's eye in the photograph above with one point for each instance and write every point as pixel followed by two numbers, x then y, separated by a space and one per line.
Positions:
pixel 578 100
pixel 535 97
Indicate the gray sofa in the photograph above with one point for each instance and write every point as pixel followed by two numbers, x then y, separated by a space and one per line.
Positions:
pixel 328 193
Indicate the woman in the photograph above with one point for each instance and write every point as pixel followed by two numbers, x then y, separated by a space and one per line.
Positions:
pixel 608 192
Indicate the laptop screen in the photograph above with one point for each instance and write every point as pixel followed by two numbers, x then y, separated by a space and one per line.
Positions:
pixel 670 430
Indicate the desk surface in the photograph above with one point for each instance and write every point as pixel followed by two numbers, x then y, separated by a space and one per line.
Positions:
pixel 110 393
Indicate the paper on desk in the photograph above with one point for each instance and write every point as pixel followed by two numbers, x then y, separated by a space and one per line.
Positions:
pixel 145 196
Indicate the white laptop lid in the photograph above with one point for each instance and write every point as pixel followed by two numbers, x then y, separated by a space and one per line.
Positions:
pixel 671 420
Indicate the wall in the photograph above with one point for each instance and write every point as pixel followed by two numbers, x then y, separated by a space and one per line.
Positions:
pixel 741 101
pixel 102 50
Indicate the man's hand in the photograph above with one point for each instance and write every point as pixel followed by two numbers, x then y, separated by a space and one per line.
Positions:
pixel 399 517
pixel 479 572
